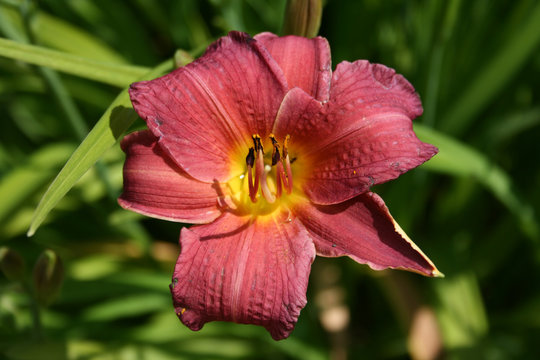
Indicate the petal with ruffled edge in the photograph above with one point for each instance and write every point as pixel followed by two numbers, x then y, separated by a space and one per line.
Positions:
pixel 245 271
pixel 361 137
pixel 205 111
pixel 305 62
pixel 155 186
pixel 363 229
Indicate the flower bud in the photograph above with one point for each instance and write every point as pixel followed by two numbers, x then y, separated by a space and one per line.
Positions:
pixel 11 264
pixel 48 277
pixel 302 18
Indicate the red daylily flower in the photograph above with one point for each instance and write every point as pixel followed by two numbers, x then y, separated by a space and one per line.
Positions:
pixel 273 155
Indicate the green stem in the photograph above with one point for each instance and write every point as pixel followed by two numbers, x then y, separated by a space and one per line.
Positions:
pixel 35 311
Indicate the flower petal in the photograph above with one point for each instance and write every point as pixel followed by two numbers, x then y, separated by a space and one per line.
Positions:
pixel 155 186
pixel 210 108
pixel 364 230
pixel 366 137
pixel 301 117
pixel 247 272
pixel 305 62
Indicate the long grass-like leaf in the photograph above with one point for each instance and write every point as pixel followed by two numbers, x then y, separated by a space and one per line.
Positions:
pixel 457 159
pixel 113 74
pixel 494 76
pixel 116 119
pixel 23 181
pixel 56 33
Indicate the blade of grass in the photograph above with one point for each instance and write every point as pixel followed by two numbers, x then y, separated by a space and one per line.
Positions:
pixel 495 75
pixel 434 77
pixel 23 181
pixel 63 36
pixel 457 159
pixel 513 125
pixel 116 119
pixel 461 311
pixel 108 73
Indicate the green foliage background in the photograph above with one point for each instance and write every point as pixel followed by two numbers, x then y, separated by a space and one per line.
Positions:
pixel 472 208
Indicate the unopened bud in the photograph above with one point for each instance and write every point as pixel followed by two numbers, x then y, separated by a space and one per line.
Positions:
pixel 302 18
pixel 48 277
pixel 11 264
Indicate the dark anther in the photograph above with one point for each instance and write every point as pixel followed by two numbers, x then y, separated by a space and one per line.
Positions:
pixel 250 158
pixel 275 156
pixel 257 143
pixel 293 160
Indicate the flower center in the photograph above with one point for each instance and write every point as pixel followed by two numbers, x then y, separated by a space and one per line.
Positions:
pixel 255 164
pixel 264 181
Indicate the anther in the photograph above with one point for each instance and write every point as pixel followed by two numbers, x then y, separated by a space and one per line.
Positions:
pixel 286 146
pixel 253 187
pixel 289 184
pixel 275 152
pixel 250 158
pixel 257 143
pixel 255 163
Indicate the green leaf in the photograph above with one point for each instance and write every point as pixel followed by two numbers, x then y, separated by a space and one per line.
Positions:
pixel 493 77
pixel 35 349
pixel 116 119
pixel 127 306
pixel 461 310
pixel 457 159
pixel 22 182
pixel 108 73
pixel 61 35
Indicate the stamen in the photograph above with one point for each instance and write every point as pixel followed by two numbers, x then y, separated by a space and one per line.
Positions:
pixel 255 162
pixel 280 176
pixel 275 155
pixel 286 146
pixel 289 184
pixel 257 143
pixel 250 161
pixel 259 172
pixel 250 158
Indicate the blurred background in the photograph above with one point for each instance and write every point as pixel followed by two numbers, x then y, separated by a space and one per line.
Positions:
pixel 476 66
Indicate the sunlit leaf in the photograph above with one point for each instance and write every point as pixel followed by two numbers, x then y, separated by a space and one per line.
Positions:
pixel 461 310
pixel 127 306
pixel 116 119
pixel 23 181
pixel 61 35
pixel 457 159
pixel 108 73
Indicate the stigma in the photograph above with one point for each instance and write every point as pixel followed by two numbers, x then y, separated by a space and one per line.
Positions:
pixel 258 170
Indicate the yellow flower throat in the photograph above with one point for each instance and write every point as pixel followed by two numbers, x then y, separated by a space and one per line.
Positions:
pixel 266 182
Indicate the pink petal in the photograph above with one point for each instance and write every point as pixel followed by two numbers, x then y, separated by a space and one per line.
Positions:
pixel 157 187
pixel 207 110
pixel 245 271
pixel 301 117
pixel 305 62
pixel 363 136
pixel 363 229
